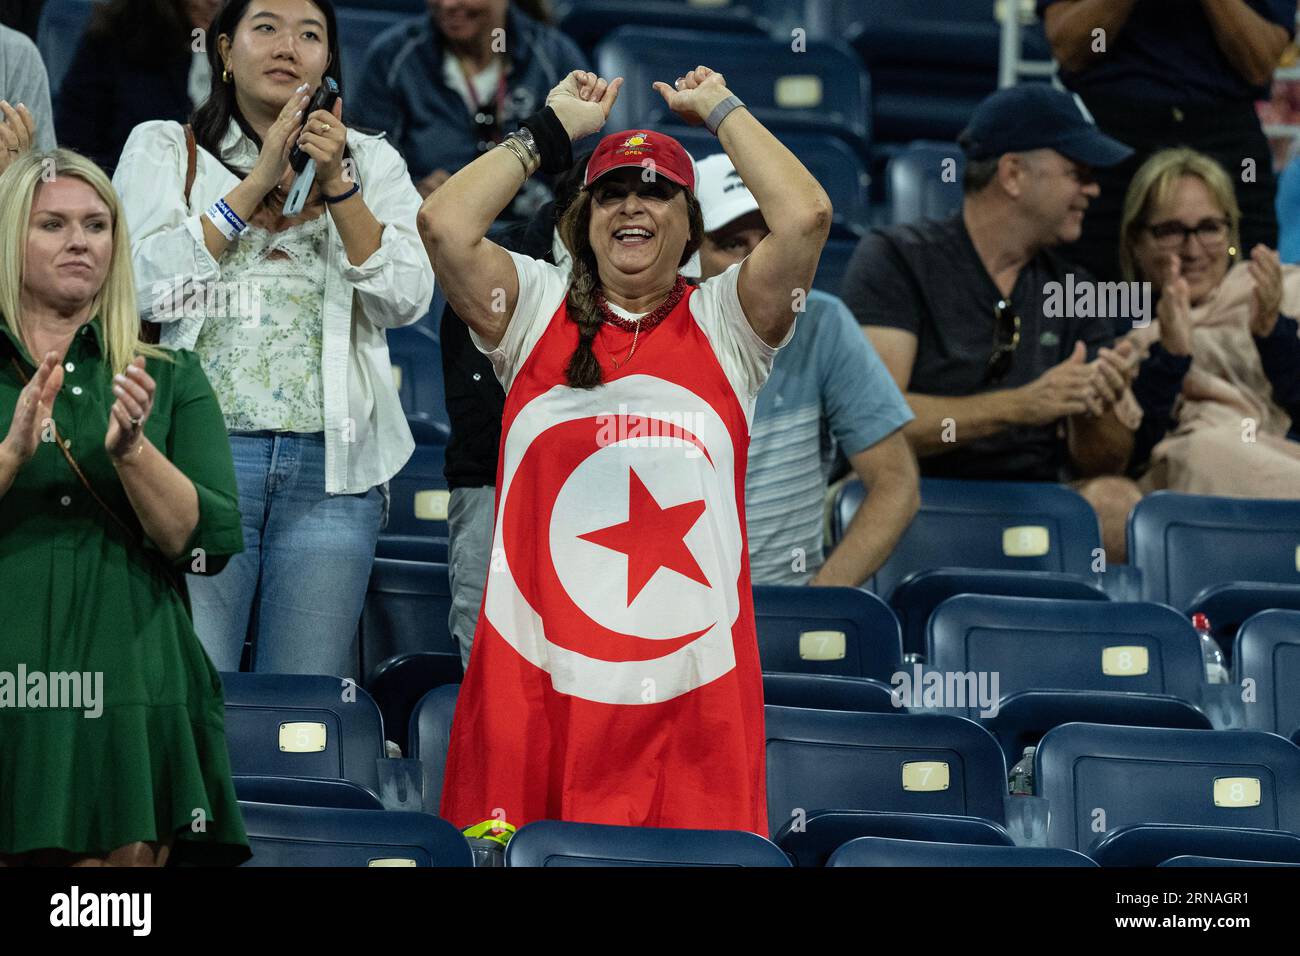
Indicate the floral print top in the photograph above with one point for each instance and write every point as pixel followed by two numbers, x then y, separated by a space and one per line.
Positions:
pixel 260 344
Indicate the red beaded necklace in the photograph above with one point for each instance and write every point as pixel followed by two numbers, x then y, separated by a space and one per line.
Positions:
pixel 647 321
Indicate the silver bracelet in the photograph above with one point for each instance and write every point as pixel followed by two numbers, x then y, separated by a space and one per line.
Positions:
pixel 525 136
pixel 721 112
pixel 515 144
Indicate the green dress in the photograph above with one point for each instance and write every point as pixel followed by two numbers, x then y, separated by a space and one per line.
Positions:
pixel 147 759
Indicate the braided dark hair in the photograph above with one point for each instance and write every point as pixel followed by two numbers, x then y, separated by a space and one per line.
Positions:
pixel 583 370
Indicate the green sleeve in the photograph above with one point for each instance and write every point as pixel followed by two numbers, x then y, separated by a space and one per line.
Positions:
pixel 199 446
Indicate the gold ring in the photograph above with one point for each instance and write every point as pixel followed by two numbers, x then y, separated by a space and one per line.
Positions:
pixel 325 127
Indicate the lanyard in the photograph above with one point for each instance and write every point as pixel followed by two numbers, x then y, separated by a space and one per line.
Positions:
pixel 480 109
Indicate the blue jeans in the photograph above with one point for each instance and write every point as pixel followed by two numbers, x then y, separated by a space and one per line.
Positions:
pixel 471 518
pixel 303 574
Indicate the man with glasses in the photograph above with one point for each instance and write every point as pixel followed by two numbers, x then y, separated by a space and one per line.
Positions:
pixel 1005 387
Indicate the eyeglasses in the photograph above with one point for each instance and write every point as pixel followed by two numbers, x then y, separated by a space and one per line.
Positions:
pixel 1171 235
pixel 1006 337
pixel 659 188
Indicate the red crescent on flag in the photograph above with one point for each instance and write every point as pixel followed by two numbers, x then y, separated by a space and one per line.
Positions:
pixel 530 505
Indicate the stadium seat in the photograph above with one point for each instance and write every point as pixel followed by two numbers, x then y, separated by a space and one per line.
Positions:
pixel 557 843
pixel 398 683
pixel 358 28
pixel 587 22
pixel 1100 778
pixel 821 89
pixel 299 725
pixel 923 181
pixel 1218 862
pixel 1153 844
pixel 417 511
pixel 931 63
pixel 1023 718
pixel 837 167
pixel 430 736
pixel 904 763
pixel 881 851
pixel 317 836
pixel 811 841
pixel 1014 526
pixel 1185 543
pixel 417 372
pixel 305 792
pixel 916 596
pixel 1050 644
pixel 1267 651
pixel 1228 605
pixel 842 631
pixel 826 692
pixel 406 610
pixel 833 264
pixel 58 34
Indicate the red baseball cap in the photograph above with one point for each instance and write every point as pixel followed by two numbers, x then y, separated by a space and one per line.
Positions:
pixel 641 147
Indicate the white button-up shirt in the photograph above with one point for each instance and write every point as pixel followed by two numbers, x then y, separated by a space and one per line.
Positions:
pixel 367 440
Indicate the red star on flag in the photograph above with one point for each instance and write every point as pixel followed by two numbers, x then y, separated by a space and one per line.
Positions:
pixel 652 538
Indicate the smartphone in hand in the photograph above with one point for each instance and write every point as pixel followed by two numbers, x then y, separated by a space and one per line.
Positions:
pixel 323 99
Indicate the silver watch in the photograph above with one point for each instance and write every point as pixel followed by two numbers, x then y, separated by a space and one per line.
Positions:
pixel 525 136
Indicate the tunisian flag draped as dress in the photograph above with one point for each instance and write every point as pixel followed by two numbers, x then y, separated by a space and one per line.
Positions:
pixel 615 674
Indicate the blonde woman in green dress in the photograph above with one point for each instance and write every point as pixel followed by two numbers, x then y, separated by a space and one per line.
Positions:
pixel 115 479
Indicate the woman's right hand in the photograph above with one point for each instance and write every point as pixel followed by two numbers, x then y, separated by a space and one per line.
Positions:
pixel 34 408
pixel 274 157
pixel 1175 311
pixel 582 102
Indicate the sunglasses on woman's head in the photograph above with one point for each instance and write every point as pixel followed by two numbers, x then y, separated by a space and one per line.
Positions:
pixel 1006 337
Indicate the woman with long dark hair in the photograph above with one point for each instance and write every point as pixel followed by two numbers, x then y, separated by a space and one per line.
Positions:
pixel 615 674
pixel 137 61
pixel 287 314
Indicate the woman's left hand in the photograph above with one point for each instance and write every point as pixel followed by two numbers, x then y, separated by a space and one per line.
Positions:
pixel 1266 271
pixel 134 391
pixel 693 96
pixel 323 138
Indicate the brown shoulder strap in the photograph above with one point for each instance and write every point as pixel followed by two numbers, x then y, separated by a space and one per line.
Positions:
pixel 191 161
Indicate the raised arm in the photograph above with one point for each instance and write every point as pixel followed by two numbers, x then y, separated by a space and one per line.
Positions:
pixel 478 276
pixel 1253 44
pixel 776 276
pixel 1071 27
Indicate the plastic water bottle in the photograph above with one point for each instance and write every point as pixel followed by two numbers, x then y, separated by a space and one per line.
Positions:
pixel 1215 671
pixel 1021 780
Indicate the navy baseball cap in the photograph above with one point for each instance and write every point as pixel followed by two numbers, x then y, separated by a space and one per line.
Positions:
pixel 1038 116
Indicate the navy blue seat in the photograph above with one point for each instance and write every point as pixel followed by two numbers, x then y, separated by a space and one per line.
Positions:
pixel 417 513
pixel 587 22
pixel 826 692
pixel 1023 718
pixel 1152 844
pixel 306 792
pixel 1099 778
pixel 1228 605
pixel 58 34
pixel 317 836
pixel 398 683
pixel 406 610
pixel 557 843
pixel 417 368
pixel 299 725
pixel 1049 644
pixel 880 851
pixel 904 763
pixel 430 736
pixel 833 264
pixel 1217 862
pixel 358 28
pixel 1015 526
pixel 923 181
pixel 842 631
pixel 932 62
pixel 916 596
pixel 1267 651
pixel 822 89
pixel 810 842
pixel 1185 543
pixel 833 163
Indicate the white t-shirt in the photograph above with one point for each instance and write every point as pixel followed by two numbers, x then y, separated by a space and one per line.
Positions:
pixel 745 358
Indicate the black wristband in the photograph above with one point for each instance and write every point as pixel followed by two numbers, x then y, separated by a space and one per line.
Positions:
pixel 552 140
